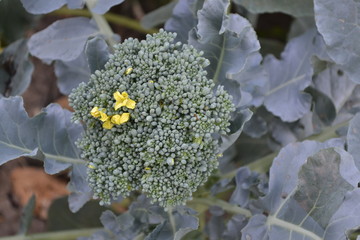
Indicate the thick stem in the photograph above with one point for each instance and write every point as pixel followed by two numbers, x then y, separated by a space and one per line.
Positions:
pixel 211 201
pixel 172 220
pixel 60 235
pixel 110 17
pixel 102 24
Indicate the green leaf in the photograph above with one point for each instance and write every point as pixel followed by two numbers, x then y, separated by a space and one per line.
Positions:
pixel 180 222
pixel 158 16
pixel 337 21
pixel 42 6
pixel 353 139
pixel 216 224
pixel 97 53
pixel 231 45
pixel 12 11
pixel 324 107
pixel 292 7
pixel 301 184
pixel 289 76
pixel 183 19
pixel 233 227
pixel 49 136
pixel 300 26
pixel 27 215
pixel 63 40
pixel 240 117
pixel 15 68
pixel 80 191
pixel 335 84
pixel 61 218
pixel 70 74
pixel 101 7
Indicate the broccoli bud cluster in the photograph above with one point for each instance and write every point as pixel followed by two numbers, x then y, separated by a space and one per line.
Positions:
pixel 150 115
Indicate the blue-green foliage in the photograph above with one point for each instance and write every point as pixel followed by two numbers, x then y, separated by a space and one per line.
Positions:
pixel 15 69
pixel 311 91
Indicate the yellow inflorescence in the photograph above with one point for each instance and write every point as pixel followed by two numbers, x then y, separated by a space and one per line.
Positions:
pixel 128 71
pixel 117 119
pixel 120 119
pixel 123 100
pixel 91 166
pixel 95 112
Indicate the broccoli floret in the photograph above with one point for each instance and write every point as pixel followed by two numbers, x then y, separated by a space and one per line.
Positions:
pixel 150 115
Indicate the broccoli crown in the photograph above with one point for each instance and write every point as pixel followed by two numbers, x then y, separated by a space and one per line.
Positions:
pixel 150 115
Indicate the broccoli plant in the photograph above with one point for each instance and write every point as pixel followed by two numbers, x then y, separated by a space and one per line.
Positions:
pixel 210 126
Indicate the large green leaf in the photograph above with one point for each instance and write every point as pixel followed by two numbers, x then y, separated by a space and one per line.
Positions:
pixel 158 16
pixel 61 218
pixel 70 74
pixel 289 76
pixel 309 192
pixel 14 20
pixel 42 6
pixel 231 45
pixel 292 7
pixel 335 84
pixel 49 136
pixel 183 19
pixel 27 215
pixel 353 139
pixel 63 40
pixel 337 21
pixel 15 69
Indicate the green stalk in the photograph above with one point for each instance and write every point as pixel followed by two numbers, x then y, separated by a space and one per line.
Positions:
pixel 110 17
pixel 59 235
pixel 172 220
pixel 211 201
pixel 102 24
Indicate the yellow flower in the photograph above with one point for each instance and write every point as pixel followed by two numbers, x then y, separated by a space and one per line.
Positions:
pixel 123 100
pixel 106 119
pixel 103 116
pixel 120 119
pixel 95 112
pixel 107 124
pixel 128 71
pixel 91 166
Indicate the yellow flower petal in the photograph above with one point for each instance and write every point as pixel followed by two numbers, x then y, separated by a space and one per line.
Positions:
pixel 130 103
pixel 118 96
pixel 103 116
pixel 128 71
pixel 124 118
pixel 125 95
pixel 107 124
pixel 95 112
pixel 123 100
pixel 116 119
pixel 119 105
pixel 91 166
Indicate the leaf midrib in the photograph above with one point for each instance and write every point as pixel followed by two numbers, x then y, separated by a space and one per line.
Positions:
pixel 47 155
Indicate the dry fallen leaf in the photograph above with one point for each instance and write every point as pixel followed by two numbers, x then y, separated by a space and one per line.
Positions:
pixel 27 181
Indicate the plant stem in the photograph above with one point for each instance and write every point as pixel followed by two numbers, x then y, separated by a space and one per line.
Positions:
pixel 102 24
pixel 172 220
pixel 110 17
pixel 263 164
pixel 59 235
pixel 211 201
